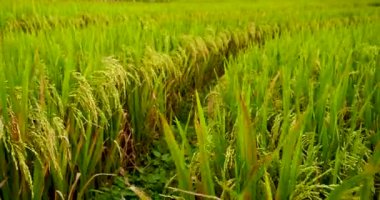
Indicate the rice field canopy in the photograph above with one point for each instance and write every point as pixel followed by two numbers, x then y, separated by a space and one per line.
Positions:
pixel 39 13
pixel 178 99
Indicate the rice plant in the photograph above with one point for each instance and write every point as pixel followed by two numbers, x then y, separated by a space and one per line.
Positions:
pixel 189 100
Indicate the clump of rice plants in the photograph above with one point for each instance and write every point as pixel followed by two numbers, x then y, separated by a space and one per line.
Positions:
pixel 293 116
pixel 189 100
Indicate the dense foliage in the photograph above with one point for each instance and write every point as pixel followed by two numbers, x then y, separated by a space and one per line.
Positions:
pixel 191 100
